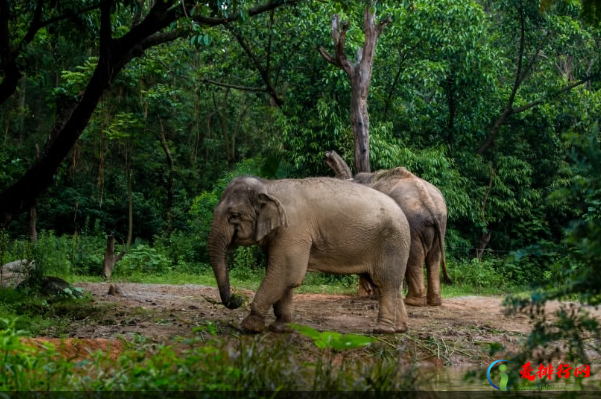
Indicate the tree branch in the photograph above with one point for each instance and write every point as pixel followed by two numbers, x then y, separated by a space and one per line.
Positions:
pixel 328 57
pixel 555 94
pixel 382 24
pixel 237 87
pixel 34 24
pixel 512 111
pixel 262 71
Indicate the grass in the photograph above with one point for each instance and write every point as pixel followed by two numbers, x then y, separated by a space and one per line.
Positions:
pixel 314 283
pixel 43 316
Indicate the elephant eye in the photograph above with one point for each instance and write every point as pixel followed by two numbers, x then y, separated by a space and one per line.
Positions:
pixel 234 217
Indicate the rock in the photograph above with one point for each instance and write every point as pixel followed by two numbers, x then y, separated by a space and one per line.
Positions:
pixel 54 286
pixel 14 273
pixel 115 290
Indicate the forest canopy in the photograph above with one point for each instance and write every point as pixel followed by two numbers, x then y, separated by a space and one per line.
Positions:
pixel 130 116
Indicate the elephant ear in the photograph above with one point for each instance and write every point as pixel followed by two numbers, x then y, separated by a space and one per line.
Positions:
pixel 271 216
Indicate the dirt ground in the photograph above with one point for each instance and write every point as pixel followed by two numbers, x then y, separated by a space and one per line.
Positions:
pixel 460 332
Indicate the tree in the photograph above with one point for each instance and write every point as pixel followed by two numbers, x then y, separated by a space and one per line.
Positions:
pixel 360 75
pixel 114 53
pixel 534 34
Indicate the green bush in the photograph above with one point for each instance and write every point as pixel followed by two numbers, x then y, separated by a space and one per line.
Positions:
pixel 51 255
pixel 183 251
pixel 87 254
pixel 477 274
pixel 143 259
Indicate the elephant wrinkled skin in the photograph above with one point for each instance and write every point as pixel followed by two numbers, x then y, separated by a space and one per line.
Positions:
pixel 316 224
pixel 425 208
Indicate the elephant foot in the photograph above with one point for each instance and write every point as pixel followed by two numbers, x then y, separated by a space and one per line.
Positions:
pixel 384 329
pixel 415 301
pixel 280 327
pixel 401 328
pixel 436 301
pixel 253 324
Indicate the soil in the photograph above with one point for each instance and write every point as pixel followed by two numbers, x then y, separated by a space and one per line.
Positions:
pixel 460 332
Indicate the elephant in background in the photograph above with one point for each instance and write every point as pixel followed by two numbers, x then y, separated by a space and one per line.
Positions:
pixel 315 224
pixel 426 210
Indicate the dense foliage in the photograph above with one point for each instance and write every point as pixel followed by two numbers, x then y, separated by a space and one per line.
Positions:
pixel 254 97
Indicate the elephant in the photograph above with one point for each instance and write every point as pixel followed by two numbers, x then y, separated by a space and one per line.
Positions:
pixel 425 208
pixel 313 224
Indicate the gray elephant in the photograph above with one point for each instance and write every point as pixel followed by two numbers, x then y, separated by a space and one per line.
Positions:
pixel 426 210
pixel 316 224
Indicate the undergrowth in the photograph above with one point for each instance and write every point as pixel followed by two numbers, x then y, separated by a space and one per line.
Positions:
pixel 194 365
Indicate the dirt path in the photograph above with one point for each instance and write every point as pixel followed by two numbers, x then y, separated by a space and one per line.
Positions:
pixel 459 332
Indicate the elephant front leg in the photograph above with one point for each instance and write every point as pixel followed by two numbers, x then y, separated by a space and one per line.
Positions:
pixel 270 291
pixel 283 310
pixel 284 272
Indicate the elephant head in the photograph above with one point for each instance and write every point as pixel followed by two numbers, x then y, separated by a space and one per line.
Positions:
pixel 245 215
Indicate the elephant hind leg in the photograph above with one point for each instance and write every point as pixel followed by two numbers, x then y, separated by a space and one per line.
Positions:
pixel 389 280
pixel 433 266
pixel 387 313
pixel 283 310
pixel 415 275
pixel 401 315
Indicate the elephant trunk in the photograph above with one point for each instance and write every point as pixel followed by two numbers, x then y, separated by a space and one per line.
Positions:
pixel 337 164
pixel 219 242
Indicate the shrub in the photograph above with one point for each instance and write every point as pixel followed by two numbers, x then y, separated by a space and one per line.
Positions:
pixel 475 273
pixel 143 259
pixel 87 254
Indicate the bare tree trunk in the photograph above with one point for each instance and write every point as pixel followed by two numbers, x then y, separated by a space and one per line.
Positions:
pixel 484 240
pixel 109 257
pixel 360 75
pixel 222 115
pixel 170 190
pixel 33 232
pixel 130 201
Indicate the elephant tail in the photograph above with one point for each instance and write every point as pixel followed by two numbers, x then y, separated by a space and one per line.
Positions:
pixel 447 280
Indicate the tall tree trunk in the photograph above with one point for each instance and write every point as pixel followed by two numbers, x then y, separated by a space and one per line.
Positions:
pixel 360 75
pixel 221 111
pixel 130 201
pixel 33 232
pixel 109 257
pixel 170 173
